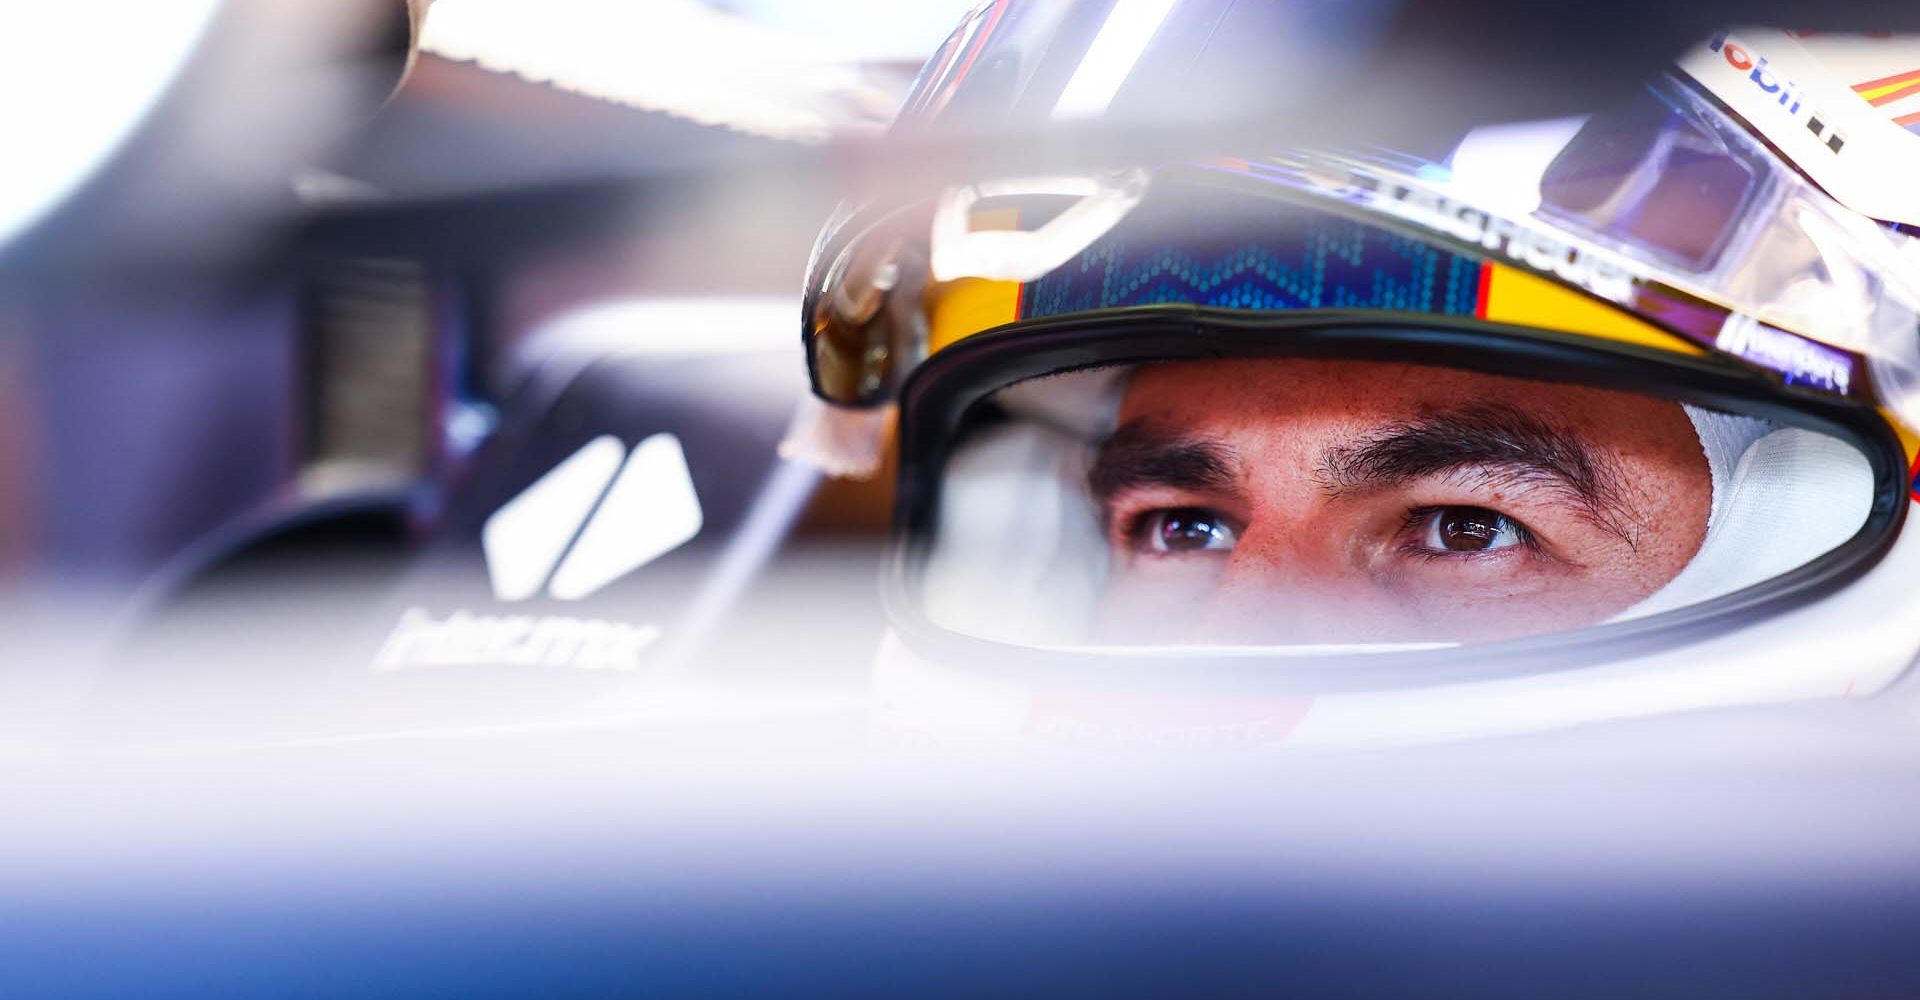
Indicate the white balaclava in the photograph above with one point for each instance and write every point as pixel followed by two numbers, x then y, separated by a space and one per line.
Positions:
pixel 1781 497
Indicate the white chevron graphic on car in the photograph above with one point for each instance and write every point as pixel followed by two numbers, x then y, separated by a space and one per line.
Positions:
pixel 594 517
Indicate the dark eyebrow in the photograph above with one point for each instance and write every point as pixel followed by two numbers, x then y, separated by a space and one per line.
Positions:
pixel 1141 455
pixel 1500 444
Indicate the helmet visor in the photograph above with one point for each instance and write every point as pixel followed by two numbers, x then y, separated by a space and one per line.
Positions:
pixel 1343 487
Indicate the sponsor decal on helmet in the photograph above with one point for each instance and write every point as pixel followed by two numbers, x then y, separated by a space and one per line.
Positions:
pixel 1527 245
pixel 1788 95
pixel 1802 361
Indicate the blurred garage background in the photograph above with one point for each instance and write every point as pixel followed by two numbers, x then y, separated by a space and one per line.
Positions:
pixel 284 287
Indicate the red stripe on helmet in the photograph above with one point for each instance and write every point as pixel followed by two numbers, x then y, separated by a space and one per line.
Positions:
pixel 1900 77
pixel 973 52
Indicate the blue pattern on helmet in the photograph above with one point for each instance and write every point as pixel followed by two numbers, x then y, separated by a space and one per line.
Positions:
pixel 1272 257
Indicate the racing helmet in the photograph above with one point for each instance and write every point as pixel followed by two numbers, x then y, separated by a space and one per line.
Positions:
pixel 1582 419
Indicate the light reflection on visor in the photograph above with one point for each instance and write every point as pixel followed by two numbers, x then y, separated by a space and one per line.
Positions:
pixel 1654 175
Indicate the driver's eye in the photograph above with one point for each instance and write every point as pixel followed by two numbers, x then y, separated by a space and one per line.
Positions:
pixel 1186 529
pixel 1469 529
